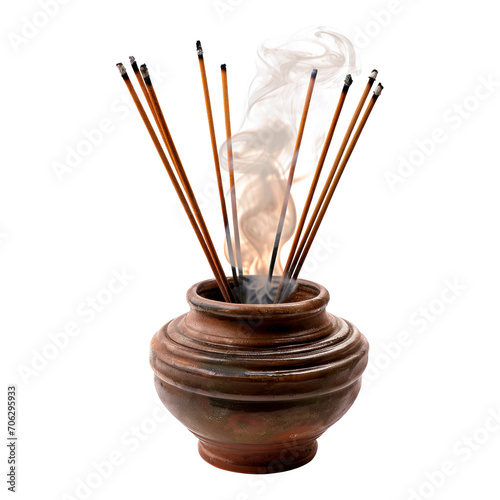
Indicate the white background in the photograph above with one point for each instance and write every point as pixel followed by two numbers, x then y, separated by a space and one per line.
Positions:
pixel 388 251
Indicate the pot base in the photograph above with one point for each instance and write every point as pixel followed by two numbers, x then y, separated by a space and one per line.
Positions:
pixel 257 459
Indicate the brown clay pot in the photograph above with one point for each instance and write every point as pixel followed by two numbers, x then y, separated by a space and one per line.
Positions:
pixel 258 384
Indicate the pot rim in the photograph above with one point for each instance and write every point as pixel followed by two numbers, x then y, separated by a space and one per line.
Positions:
pixel 317 301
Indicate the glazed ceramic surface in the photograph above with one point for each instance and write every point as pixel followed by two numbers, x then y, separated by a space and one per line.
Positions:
pixel 258 384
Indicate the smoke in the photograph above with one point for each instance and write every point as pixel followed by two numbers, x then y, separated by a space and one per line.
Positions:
pixel 263 146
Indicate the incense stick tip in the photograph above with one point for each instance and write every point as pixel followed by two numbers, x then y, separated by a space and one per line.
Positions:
pixel 133 62
pixel 223 67
pixel 145 74
pixel 348 80
pixel 314 73
pixel 373 74
pixel 199 49
pixel 121 69
pixel 378 90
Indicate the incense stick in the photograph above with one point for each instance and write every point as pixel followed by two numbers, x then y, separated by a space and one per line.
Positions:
pixel 324 192
pixel 175 183
pixel 291 173
pixel 152 100
pixel 314 183
pixel 230 163
pixel 215 152
pixel 338 174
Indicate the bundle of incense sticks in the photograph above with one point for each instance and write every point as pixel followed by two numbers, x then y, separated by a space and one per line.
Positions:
pixel 303 239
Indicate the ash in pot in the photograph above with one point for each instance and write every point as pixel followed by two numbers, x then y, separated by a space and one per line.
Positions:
pixel 256 290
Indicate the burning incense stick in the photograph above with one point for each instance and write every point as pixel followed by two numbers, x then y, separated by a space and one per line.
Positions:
pixel 216 161
pixel 338 174
pixel 152 100
pixel 314 183
pixel 220 281
pixel 324 192
pixel 291 173
pixel 230 164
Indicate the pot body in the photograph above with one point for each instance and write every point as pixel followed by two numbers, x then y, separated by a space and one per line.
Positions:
pixel 258 384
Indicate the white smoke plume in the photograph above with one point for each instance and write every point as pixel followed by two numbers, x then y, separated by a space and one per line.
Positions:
pixel 263 146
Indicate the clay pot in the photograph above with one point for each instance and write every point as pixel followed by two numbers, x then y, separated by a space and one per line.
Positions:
pixel 258 384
